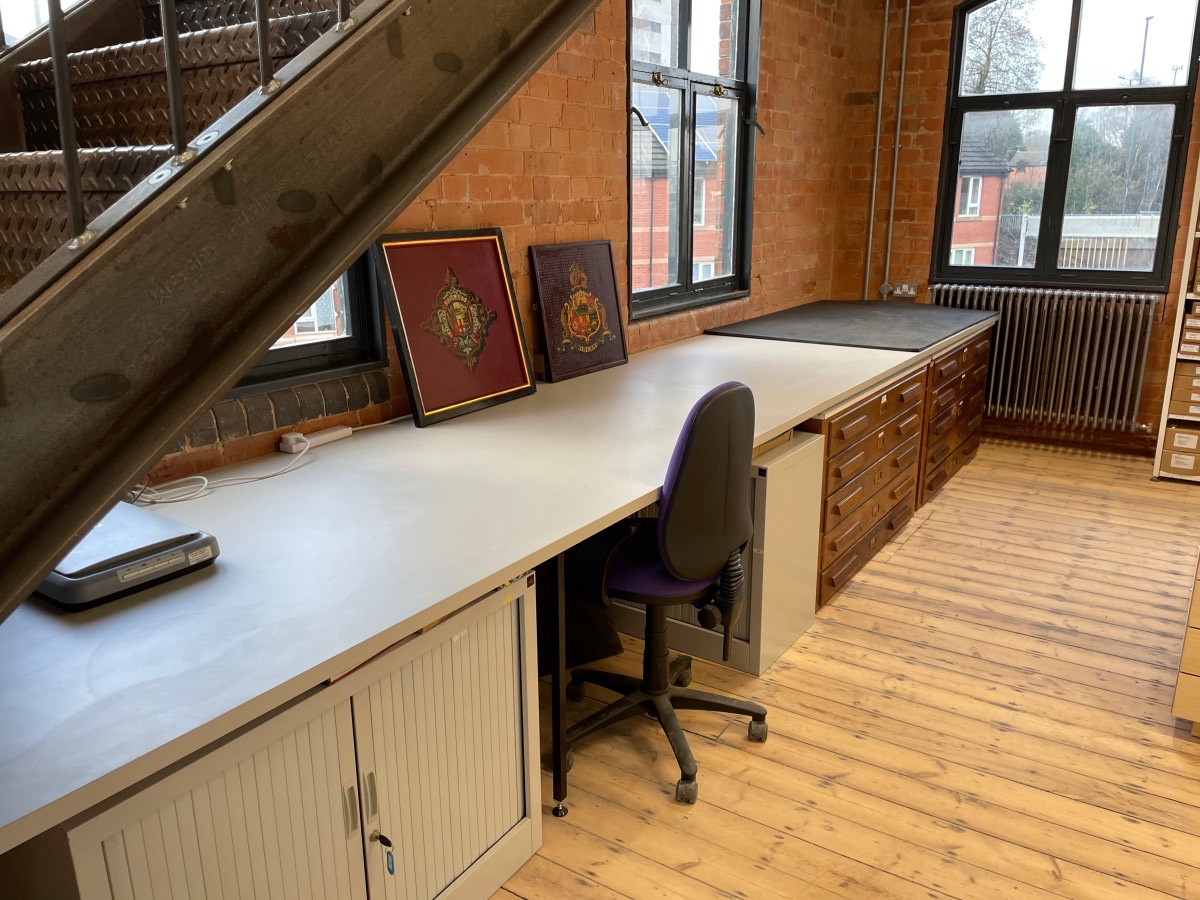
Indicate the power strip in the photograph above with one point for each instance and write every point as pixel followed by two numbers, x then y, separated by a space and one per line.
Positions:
pixel 294 441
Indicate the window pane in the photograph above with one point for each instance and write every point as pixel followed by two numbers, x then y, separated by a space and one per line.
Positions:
pixel 1126 44
pixel 716 165
pixel 654 32
pixel 654 187
pixel 1115 187
pixel 23 16
pixel 325 320
pixel 714 37
pixel 1001 181
pixel 1016 46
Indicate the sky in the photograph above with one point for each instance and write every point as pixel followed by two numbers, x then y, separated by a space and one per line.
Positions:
pixel 1111 38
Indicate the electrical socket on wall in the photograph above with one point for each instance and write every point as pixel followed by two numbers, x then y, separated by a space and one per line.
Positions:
pixel 905 289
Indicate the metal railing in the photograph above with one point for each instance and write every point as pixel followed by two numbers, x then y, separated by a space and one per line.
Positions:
pixel 56 27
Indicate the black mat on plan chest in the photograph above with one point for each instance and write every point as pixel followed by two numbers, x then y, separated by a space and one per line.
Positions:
pixel 875 324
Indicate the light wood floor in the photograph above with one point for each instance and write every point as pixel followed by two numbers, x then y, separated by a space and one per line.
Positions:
pixel 984 712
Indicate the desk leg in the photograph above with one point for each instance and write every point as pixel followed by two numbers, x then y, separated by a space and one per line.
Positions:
pixel 558 693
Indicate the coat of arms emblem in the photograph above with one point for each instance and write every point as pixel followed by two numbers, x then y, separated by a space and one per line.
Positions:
pixel 584 324
pixel 460 320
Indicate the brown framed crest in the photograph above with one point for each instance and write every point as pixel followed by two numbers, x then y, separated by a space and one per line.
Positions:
pixel 450 299
pixel 576 288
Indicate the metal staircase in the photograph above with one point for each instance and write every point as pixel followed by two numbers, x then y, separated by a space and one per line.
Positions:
pixel 214 216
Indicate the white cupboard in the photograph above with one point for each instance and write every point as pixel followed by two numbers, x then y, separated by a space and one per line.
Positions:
pixel 431 747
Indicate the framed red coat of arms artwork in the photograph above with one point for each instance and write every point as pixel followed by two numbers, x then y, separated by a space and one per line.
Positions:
pixel 450 299
pixel 581 318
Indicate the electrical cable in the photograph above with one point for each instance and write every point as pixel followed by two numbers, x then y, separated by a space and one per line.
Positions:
pixel 175 492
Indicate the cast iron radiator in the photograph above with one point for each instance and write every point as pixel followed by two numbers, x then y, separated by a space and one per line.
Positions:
pixel 1066 358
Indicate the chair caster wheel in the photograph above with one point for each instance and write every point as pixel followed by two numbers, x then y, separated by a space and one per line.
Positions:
pixel 574 691
pixel 685 791
pixel 684 677
pixel 757 731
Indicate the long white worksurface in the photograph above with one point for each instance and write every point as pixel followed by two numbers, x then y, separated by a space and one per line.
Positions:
pixel 366 541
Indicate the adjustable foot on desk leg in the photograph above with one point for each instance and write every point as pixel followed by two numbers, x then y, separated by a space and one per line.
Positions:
pixel 559 811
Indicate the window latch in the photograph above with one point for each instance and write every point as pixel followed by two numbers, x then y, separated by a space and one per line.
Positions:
pixel 657 77
pixel 641 118
pixel 762 131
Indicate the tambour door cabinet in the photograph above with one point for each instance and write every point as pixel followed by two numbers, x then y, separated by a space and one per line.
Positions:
pixel 957 389
pixel 430 747
pixel 870 478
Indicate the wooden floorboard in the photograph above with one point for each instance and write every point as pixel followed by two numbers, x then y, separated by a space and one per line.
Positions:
pixel 983 713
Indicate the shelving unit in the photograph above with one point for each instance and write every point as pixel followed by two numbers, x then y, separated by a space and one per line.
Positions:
pixel 1177 454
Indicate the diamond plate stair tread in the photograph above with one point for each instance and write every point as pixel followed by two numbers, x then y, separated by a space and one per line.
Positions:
pixel 33 201
pixel 120 91
pixel 196 15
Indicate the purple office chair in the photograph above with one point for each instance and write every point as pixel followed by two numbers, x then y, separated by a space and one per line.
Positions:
pixel 694 555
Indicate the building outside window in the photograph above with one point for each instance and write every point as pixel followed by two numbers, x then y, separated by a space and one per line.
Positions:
pixel 1066 141
pixel 338 334
pixel 962 256
pixel 691 151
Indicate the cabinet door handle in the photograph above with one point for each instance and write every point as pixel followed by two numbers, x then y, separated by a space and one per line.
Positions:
pixel 372 797
pixel 853 429
pixel 844 504
pixel 350 810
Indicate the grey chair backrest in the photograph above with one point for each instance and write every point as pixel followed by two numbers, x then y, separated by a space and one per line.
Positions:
pixel 705 510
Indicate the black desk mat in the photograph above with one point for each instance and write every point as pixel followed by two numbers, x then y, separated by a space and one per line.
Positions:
pixel 874 324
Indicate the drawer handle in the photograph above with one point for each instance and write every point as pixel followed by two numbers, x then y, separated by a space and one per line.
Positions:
pixel 909 425
pixel 938 453
pixel 913 390
pixel 936 480
pixel 948 368
pixel 896 522
pixel 842 575
pixel 854 429
pixel 903 457
pixel 851 466
pixel 975 423
pixel 844 540
pixel 845 503
pixel 940 426
pixel 903 488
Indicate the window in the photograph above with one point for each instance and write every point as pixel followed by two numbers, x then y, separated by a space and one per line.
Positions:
pixel 690 151
pixel 339 334
pixel 1066 141
pixel 968 196
pixel 23 17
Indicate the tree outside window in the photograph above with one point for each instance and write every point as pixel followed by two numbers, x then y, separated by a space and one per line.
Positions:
pixel 1064 125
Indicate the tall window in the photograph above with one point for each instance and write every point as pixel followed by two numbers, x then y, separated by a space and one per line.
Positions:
pixel 1066 139
pixel 691 150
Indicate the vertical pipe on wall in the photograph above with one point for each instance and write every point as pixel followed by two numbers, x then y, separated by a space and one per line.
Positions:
pixel 887 15
pixel 886 287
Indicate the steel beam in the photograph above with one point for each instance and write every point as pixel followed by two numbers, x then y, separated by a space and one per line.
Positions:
pixel 105 357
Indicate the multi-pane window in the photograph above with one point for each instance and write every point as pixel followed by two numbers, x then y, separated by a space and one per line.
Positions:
pixel 690 150
pixel 1066 141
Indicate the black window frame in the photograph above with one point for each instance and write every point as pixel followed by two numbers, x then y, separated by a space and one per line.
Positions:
pixel 1065 104
pixel 687 294
pixel 363 350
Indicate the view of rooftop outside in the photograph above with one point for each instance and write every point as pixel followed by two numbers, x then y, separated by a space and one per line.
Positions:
pixel 326 319
pixel 22 17
pixel 1116 181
